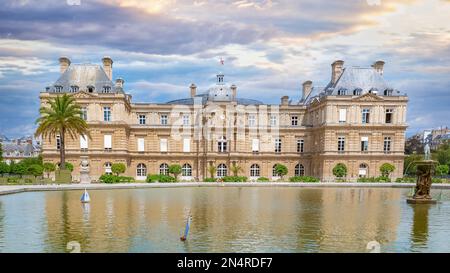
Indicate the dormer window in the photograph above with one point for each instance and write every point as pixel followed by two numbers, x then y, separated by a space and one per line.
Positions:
pixel 342 92
pixel 388 92
pixel 58 88
pixel 373 91
pixel 90 89
pixel 74 89
pixel 357 92
pixel 106 89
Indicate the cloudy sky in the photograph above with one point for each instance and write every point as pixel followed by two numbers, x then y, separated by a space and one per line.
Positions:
pixel 269 47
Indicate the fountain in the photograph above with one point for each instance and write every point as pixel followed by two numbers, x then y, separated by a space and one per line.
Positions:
pixel 425 171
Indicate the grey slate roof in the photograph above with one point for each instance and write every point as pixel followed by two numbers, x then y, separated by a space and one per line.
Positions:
pixel 25 148
pixel 84 75
pixel 204 98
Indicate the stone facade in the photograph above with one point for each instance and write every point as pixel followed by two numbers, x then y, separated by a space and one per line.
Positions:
pixel 357 120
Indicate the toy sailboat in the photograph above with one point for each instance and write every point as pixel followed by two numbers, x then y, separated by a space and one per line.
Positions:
pixel 186 230
pixel 85 197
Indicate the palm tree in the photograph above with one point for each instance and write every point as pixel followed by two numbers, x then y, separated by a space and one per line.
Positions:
pixel 62 117
pixel 212 170
pixel 236 169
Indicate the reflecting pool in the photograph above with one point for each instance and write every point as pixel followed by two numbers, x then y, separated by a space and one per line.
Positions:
pixel 224 219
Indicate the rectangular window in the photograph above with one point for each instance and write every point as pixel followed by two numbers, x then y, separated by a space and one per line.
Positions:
pixel 142 119
pixel 84 113
pixel 341 144
pixel 164 119
pixel 273 120
pixel 186 145
pixel 58 142
pixel 342 115
pixel 163 145
pixel 365 115
pixel 387 144
pixel 294 121
pixel 141 144
pixel 106 113
pixel 278 145
pixel 300 145
pixel 251 120
pixel 83 142
pixel 108 142
pixel 255 145
pixel 186 120
pixel 364 144
pixel 389 113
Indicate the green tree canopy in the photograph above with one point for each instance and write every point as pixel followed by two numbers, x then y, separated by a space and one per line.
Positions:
pixel 35 169
pixel 48 168
pixel 236 169
pixel 340 170
pixel 281 170
pixel 4 168
pixel 61 117
pixel 1 152
pixel 175 169
pixel 442 170
pixel 118 168
pixel 212 171
pixel 386 169
pixel 69 166
pixel 19 169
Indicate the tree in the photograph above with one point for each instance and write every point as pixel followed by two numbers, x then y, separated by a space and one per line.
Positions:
pixel 1 152
pixel 408 164
pixel 442 155
pixel 36 170
pixel 118 168
pixel 69 166
pixel 414 145
pixel 235 169
pixel 19 169
pixel 281 170
pixel 4 168
pixel 175 169
pixel 212 171
pixel 62 117
pixel 386 169
pixel 48 168
pixel 442 170
pixel 340 170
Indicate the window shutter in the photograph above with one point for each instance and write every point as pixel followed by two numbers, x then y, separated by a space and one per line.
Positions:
pixel 186 145
pixel 108 142
pixel 141 145
pixel 255 145
pixel 342 115
pixel 83 142
pixel 163 145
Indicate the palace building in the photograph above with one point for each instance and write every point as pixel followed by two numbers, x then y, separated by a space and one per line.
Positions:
pixel 358 119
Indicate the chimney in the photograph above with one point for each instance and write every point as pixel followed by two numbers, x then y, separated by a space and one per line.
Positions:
pixel 336 70
pixel 193 88
pixel 64 63
pixel 119 82
pixel 378 66
pixel 233 91
pixel 285 100
pixel 307 87
pixel 107 66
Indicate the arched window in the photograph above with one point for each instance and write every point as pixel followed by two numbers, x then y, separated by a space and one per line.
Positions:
pixel 90 89
pixel 254 170
pixel 108 166
pixel 186 170
pixel 164 169
pixel 274 172
pixel 141 170
pixel 222 144
pixel 222 170
pixel 299 170
pixel 362 170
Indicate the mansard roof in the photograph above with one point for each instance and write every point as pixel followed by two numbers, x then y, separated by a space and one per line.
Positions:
pixel 84 76
pixel 364 78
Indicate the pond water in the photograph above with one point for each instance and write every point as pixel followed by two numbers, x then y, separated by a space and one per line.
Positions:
pixel 224 219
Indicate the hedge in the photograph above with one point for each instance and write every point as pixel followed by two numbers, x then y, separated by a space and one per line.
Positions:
pixel 304 179
pixel 110 179
pixel 151 178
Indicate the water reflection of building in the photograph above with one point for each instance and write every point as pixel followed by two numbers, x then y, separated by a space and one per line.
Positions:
pixel 224 219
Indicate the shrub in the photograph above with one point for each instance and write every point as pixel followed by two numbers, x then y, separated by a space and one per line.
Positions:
pixel 441 170
pixel 386 169
pixel 212 171
pixel 69 166
pixel 36 170
pixel 374 179
pixel 263 179
pixel 152 178
pixel 48 168
pixel 19 169
pixel 209 179
pixel 118 168
pixel 14 180
pixel 340 170
pixel 437 180
pixel 4 168
pixel 405 180
pixel 234 179
pixel 304 179
pixel 110 179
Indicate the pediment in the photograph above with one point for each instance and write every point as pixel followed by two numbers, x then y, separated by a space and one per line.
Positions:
pixel 83 95
pixel 368 97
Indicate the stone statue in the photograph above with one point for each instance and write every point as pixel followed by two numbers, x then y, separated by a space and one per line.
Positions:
pixel 426 150
pixel 84 172
pixel 423 184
